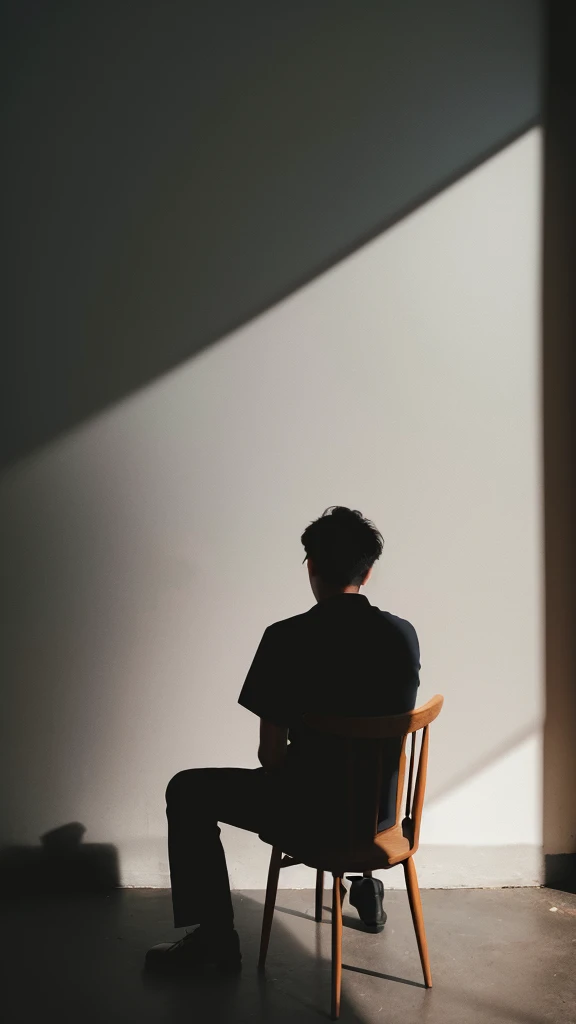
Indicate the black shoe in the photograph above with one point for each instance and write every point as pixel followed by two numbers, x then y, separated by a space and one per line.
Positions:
pixel 196 949
pixel 366 894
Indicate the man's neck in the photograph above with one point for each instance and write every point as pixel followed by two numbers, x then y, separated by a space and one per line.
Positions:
pixel 326 591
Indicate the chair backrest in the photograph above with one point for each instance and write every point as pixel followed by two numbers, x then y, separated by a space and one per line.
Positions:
pixel 365 744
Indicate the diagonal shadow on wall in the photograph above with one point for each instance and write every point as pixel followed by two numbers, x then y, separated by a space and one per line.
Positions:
pixel 173 170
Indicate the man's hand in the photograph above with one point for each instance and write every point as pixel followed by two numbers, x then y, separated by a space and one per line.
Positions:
pixel 273 746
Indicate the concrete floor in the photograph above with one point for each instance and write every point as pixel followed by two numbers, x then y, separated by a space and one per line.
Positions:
pixel 497 955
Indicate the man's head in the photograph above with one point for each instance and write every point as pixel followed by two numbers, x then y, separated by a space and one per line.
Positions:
pixel 341 548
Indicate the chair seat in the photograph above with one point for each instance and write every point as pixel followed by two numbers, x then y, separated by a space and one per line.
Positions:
pixel 384 850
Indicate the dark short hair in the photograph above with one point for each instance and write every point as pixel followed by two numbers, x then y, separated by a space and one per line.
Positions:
pixel 342 545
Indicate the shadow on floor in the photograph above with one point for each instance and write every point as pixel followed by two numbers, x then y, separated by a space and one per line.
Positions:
pixel 348 920
pixel 60 864
pixel 498 956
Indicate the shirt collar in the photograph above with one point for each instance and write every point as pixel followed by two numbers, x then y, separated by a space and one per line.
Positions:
pixel 348 601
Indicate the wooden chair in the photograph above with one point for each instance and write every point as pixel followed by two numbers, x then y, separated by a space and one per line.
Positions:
pixel 357 845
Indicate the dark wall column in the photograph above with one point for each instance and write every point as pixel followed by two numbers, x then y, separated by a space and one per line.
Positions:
pixel 559 396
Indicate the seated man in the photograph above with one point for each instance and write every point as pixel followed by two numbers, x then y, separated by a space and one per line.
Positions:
pixel 343 654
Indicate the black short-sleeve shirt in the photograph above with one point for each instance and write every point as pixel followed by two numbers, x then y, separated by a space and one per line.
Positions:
pixel 344 656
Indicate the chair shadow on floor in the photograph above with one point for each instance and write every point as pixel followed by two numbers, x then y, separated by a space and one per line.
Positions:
pixel 347 920
pixel 355 924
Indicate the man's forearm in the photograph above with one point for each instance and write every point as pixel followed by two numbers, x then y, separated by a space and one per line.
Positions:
pixel 273 746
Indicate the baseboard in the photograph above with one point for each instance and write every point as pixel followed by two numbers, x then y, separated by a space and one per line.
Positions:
pixel 447 867
pixel 145 864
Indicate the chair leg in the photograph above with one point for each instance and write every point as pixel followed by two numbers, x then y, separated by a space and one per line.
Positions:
pixel 319 895
pixel 336 946
pixel 417 918
pixel 271 890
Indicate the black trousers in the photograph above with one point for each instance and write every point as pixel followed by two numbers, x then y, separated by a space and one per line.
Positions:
pixel 196 800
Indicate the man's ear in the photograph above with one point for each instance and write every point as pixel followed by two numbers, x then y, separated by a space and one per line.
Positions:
pixel 311 568
pixel 367 576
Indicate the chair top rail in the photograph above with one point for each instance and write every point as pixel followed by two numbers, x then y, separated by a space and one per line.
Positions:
pixel 385 727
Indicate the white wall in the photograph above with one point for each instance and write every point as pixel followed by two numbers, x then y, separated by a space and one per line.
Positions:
pixel 146 551
pixel 229 153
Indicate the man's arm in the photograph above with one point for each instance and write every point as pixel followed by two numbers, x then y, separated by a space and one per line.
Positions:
pixel 273 745
pixel 265 693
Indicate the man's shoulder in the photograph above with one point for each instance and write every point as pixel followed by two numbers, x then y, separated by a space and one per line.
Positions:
pixel 402 629
pixel 403 625
pixel 304 620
